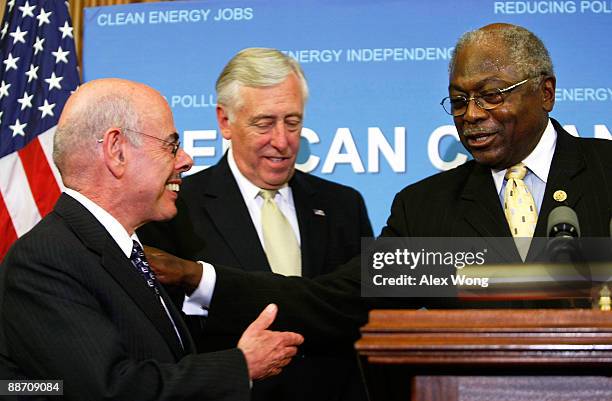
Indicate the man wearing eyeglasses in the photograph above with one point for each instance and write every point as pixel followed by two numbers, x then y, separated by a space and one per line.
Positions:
pixel 254 211
pixel 78 301
pixel 501 90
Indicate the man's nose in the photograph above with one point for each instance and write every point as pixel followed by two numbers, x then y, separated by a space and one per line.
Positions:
pixel 279 135
pixel 474 112
pixel 183 162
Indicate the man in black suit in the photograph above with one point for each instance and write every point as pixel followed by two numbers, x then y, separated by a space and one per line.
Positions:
pixel 221 214
pixel 77 299
pixel 502 88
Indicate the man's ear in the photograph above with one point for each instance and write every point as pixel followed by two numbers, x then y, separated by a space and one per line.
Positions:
pixel 224 123
pixel 114 146
pixel 548 93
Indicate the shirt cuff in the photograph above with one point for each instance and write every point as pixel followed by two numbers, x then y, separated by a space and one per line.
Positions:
pixel 197 304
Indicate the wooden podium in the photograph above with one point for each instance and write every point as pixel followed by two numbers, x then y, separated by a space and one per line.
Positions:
pixel 470 355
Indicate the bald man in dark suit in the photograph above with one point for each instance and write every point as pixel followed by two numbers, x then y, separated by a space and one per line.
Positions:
pixel 78 301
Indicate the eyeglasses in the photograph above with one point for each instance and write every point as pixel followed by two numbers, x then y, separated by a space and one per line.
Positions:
pixel 457 105
pixel 174 144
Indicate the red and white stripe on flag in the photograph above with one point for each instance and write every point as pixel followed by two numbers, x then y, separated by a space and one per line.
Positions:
pixel 38 73
pixel 29 187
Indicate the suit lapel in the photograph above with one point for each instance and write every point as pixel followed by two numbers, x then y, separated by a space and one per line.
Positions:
pixel 122 270
pixel 95 238
pixel 224 204
pixel 565 172
pixel 482 211
pixel 312 224
pixel 488 218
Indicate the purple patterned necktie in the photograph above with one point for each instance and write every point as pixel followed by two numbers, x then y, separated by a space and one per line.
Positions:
pixel 140 261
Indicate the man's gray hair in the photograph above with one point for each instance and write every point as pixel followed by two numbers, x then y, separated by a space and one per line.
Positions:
pixel 78 133
pixel 525 50
pixel 258 68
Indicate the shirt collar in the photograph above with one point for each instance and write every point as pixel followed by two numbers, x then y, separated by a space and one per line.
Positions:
pixel 247 188
pixel 538 161
pixel 110 224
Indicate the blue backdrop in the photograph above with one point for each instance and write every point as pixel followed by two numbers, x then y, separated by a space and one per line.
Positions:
pixel 377 71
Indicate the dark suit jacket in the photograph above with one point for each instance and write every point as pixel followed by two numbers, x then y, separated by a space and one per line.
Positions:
pixel 463 202
pixel 75 308
pixel 213 224
pixel 459 202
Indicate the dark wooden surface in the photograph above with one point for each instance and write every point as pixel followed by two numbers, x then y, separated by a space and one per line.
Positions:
pixel 473 355
pixel 520 337
pixel 510 388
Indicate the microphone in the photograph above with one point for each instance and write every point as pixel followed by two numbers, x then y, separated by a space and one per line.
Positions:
pixel 563 230
pixel 563 222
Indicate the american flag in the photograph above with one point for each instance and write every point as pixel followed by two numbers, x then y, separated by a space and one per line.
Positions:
pixel 37 74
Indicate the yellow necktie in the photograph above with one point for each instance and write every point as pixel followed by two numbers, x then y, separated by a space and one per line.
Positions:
pixel 520 208
pixel 281 246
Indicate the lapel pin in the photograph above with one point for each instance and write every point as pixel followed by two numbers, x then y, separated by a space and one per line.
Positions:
pixel 559 195
pixel 318 212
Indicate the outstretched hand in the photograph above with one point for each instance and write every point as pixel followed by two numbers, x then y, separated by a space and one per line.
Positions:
pixel 266 351
pixel 172 270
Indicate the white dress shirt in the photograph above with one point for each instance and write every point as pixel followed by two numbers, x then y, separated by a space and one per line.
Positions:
pixel 254 202
pixel 538 166
pixel 199 301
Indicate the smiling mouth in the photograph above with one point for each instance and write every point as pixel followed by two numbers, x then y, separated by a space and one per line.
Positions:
pixel 479 138
pixel 276 159
pixel 173 187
